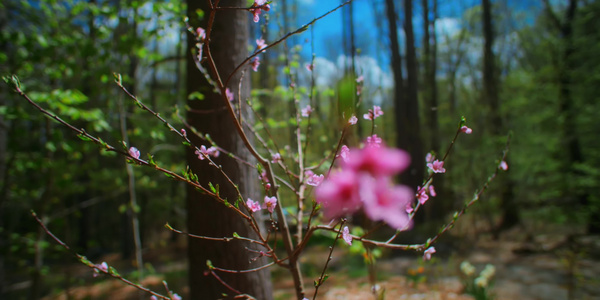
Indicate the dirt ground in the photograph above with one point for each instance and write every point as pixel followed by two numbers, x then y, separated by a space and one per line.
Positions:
pixel 544 267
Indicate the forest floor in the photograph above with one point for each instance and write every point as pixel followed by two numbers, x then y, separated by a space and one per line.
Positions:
pixel 542 266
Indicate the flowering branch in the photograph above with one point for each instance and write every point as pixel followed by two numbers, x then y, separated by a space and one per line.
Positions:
pixel 102 268
pixel 324 276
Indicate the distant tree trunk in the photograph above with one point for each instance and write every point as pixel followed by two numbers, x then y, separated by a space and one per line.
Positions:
pixel 4 129
pixel 410 133
pixel 571 141
pixel 206 216
pixel 510 213
pixel 453 69
pixel 132 214
pixel 429 92
pixel 399 100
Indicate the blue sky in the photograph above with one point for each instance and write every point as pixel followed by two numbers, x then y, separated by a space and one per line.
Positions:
pixel 328 30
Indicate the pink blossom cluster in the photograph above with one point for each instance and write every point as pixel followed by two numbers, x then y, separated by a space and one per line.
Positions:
pixel 365 181
pixel 229 94
pixel 100 267
pixel 254 63
pixel 313 179
pixel 434 165
pixel 373 113
pixel 423 194
pixel 204 152
pixel 307 111
pixel 353 120
pixel 269 203
pixel 359 85
pixel 276 158
pixel 257 8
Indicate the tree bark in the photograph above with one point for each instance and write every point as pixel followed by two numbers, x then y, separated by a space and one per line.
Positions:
pixel 397 69
pixel 410 133
pixel 509 210
pixel 206 216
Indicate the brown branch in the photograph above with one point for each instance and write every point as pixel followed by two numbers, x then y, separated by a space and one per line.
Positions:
pixel 89 264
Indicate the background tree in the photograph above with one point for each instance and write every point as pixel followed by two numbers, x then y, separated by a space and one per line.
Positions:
pixel 510 213
pixel 206 216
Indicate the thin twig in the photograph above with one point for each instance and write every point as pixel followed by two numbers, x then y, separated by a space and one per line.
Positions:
pixel 89 264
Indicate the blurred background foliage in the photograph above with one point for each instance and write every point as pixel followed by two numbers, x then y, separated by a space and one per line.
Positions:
pixel 65 52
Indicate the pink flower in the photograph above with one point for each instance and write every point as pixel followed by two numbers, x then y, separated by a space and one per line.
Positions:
pixel 432 191
pixel 427 254
pixel 153 297
pixel 264 177
pixel 134 152
pixel 503 165
pixel 255 63
pixel 374 141
pixel 200 34
pixel 437 166
pixel 466 129
pixel 257 7
pixel 270 203
pixel 183 132
pixel 338 195
pixel 385 202
pixel 100 267
pixel 346 236
pixel 229 94
pixel 260 44
pixel 176 297
pixel 267 186
pixel 307 111
pixel 212 151
pixel 409 208
pixel 255 14
pixel 373 113
pixel 429 157
pixel 254 206
pixel 360 79
pixel 203 152
pixel 310 67
pixel 276 158
pixel 352 120
pixel 365 180
pixel 422 195
pixel 345 153
pixel 378 161
pixel 314 179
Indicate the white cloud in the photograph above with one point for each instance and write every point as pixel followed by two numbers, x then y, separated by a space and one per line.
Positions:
pixel 328 73
pixel 447 26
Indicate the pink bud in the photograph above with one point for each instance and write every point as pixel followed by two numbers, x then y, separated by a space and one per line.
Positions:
pixel 503 165
pixel 134 152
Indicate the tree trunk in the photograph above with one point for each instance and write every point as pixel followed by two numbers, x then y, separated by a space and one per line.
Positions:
pixel 397 69
pixel 509 209
pixel 206 216
pixel 429 92
pixel 571 141
pixel 410 133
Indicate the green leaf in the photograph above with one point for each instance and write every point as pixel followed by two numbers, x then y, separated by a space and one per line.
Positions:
pixel 83 137
pixel 236 235
pixel 118 78
pixel 196 96
pixel 113 271
pixel 151 160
